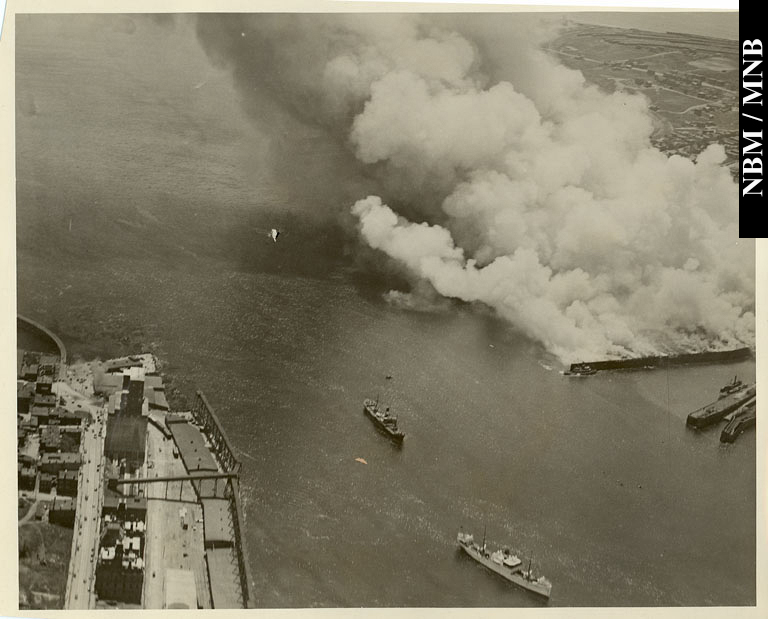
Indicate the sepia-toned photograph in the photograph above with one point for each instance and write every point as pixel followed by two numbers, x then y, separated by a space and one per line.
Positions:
pixel 382 309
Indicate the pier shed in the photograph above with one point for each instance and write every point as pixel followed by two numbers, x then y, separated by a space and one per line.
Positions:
pixel 180 589
pixel 192 448
pixel 217 523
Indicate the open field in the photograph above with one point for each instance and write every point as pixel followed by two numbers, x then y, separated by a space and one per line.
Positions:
pixel 691 82
pixel 43 559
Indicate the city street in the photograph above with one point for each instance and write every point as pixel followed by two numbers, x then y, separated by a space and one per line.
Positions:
pixel 80 592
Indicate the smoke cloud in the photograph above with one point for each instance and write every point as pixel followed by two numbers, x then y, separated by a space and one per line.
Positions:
pixel 527 189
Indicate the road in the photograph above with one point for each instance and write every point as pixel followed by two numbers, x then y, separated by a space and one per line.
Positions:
pixel 81 579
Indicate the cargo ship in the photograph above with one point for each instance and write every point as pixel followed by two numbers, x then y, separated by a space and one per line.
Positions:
pixel 647 363
pixel 732 387
pixel 740 421
pixel 505 564
pixel 383 420
pixel 714 412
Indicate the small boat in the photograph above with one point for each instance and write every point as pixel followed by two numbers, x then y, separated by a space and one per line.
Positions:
pixel 383 420
pixel 581 369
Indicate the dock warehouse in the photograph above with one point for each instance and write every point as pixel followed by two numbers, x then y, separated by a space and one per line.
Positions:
pixel 191 444
pixel 217 523
pixel 180 590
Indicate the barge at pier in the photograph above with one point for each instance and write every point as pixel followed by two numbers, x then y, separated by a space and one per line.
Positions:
pixel 646 363
pixel 714 412
pixel 741 420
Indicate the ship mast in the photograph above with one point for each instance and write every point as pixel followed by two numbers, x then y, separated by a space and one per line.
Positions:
pixel 485 528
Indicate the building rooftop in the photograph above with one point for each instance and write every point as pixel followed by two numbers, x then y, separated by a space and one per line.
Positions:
pixel 113 500
pixel 117 401
pixel 25 390
pixel 192 448
pixel 153 381
pixel 106 383
pixel 156 398
pixel 50 436
pixel 126 435
pixel 63 504
pixel 224 577
pixel 117 365
pixel 180 589
pixel 217 521
pixel 40 411
pixel 44 400
pixel 137 374
pixel 28 369
pixel 61 457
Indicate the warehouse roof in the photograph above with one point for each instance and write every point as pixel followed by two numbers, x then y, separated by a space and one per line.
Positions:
pixel 180 589
pixel 192 448
pixel 217 521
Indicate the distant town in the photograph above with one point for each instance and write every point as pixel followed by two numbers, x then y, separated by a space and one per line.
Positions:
pixel 691 81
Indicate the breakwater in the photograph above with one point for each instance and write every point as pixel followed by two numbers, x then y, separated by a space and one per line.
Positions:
pixel 45 340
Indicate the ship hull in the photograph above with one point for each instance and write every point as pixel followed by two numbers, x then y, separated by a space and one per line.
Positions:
pixel 395 436
pixel 741 421
pixel 714 412
pixel 512 574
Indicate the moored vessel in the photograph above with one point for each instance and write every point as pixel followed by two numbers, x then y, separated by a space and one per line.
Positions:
pixel 732 387
pixel 740 420
pixel 717 410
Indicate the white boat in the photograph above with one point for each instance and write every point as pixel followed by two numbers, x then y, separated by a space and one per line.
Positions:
pixel 504 564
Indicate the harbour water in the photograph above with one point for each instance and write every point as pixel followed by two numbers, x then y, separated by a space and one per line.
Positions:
pixel 596 479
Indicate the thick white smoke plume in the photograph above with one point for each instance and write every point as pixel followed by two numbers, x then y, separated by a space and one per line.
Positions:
pixel 547 201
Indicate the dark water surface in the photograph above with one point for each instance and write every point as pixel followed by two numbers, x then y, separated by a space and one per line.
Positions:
pixel 596 479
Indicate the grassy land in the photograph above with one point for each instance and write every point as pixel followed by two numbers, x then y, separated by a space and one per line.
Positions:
pixel 23 507
pixel 691 82
pixel 43 563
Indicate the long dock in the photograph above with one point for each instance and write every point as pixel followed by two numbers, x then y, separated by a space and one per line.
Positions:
pixel 640 363
pixel 194 469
